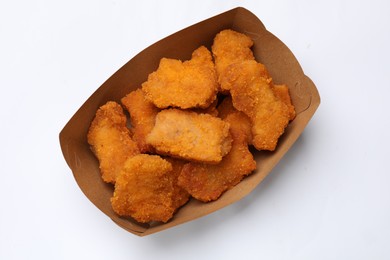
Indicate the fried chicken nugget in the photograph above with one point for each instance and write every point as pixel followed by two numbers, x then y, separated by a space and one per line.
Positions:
pixel 230 47
pixel 208 182
pixel 226 108
pixel 187 84
pixel 253 95
pixel 211 110
pixel 144 189
pixel 142 116
pixel 110 140
pixel 179 196
pixel 191 136
pixel 253 68
pixel 282 92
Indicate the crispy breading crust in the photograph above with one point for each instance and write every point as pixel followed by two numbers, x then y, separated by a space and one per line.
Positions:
pixel 191 136
pixel 230 47
pixel 144 189
pixel 142 116
pixel 282 92
pixel 188 84
pixel 179 195
pixel 226 108
pixel 252 94
pixel 252 68
pixel 110 140
pixel 211 110
pixel 208 182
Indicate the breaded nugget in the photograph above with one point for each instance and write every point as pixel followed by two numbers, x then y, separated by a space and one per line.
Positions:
pixel 282 92
pixel 142 116
pixel 226 108
pixel 179 195
pixel 211 110
pixel 187 84
pixel 252 67
pixel 191 136
pixel 208 182
pixel 230 47
pixel 144 189
pixel 110 140
pixel 253 95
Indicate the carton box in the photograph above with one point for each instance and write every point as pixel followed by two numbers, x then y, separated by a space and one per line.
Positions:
pixel 268 49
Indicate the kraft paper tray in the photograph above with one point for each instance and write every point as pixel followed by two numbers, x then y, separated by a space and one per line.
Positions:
pixel 268 49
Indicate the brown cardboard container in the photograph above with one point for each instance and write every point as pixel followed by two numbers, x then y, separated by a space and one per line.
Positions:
pixel 268 49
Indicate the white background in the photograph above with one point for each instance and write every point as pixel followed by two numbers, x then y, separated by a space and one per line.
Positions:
pixel 329 197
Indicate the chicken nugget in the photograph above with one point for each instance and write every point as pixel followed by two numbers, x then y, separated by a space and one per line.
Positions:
pixel 110 140
pixel 142 116
pixel 282 92
pixel 208 182
pixel 230 47
pixel 253 95
pixel 144 189
pixel 191 136
pixel 211 110
pixel 226 108
pixel 179 195
pixel 187 84
pixel 252 68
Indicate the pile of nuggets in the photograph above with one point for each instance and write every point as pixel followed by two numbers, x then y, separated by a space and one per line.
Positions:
pixel 191 125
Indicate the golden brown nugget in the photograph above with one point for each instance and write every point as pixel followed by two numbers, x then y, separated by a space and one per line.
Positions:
pixel 252 68
pixel 226 108
pixel 187 84
pixel 144 189
pixel 253 95
pixel 142 116
pixel 110 140
pixel 211 110
pixel 179 196
pixel 230 47
pixel 282 92
pixel 208 182
pixel 191 136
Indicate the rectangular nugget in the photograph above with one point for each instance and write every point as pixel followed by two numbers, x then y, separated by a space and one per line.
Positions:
pixel 191 136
